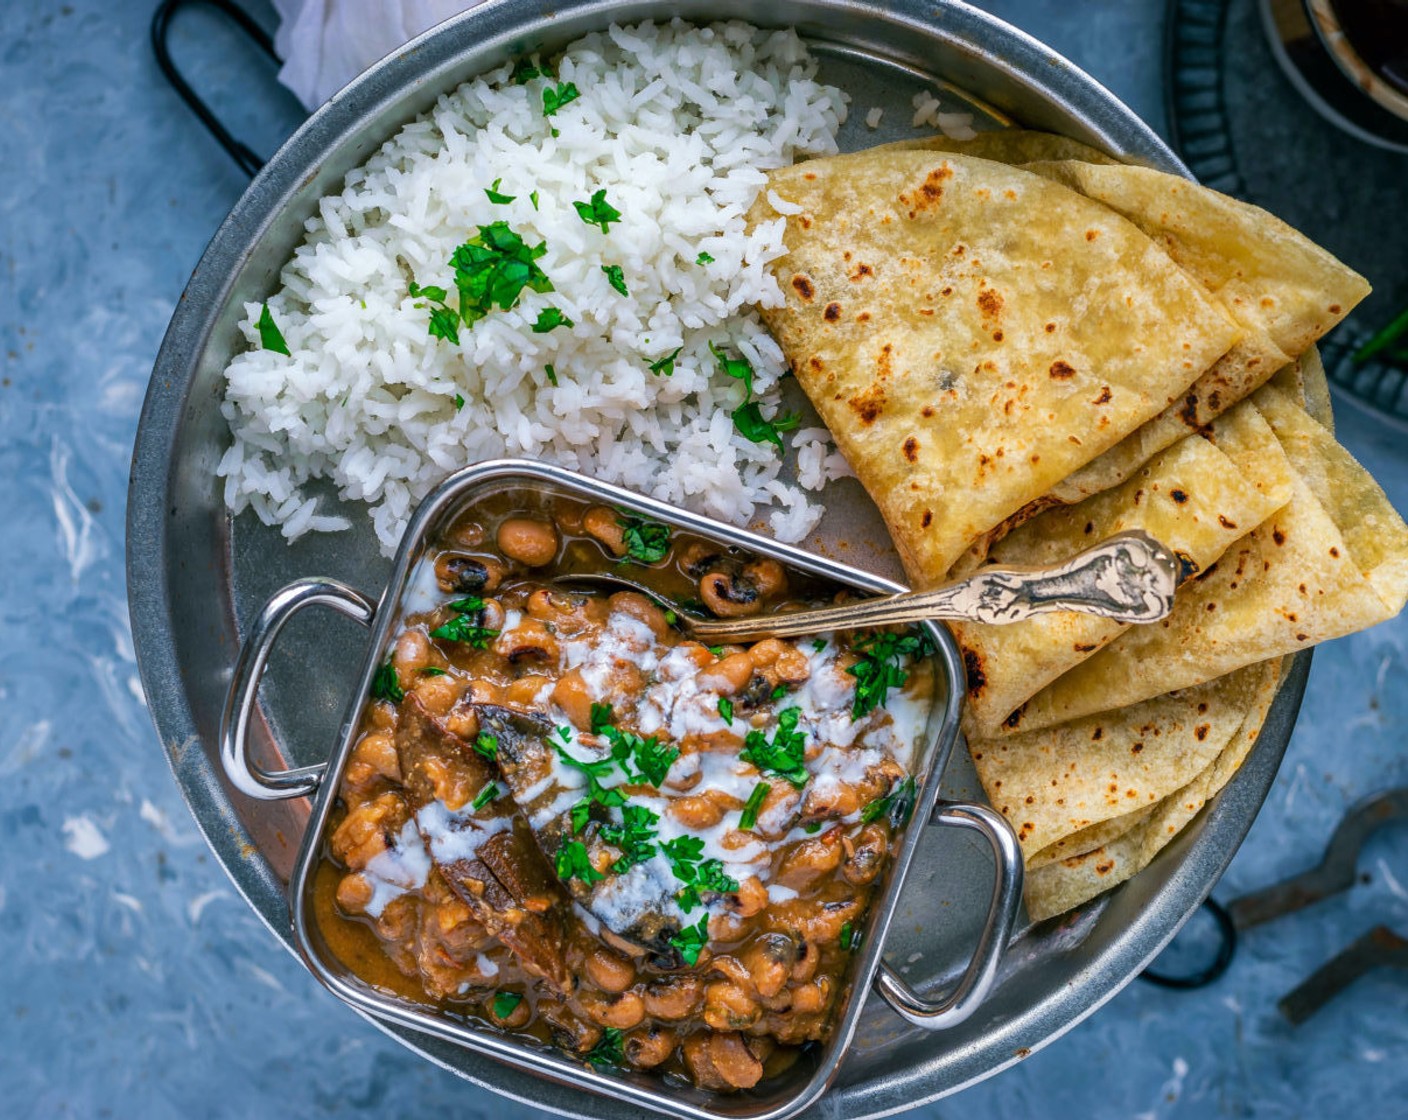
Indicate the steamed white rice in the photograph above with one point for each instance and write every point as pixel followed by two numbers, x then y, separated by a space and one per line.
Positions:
pixel 678 125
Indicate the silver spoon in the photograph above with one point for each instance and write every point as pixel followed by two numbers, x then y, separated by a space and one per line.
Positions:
pixel 1129 577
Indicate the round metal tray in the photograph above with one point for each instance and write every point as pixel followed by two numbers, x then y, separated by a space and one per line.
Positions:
pixel 196 576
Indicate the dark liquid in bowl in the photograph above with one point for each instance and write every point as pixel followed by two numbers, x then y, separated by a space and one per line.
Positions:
pixel 1378 32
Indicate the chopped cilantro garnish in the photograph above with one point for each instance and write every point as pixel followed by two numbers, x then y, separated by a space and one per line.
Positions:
pixel 459 401
pixel 433 671
pixel 703 258
pixel 647 542
pixel 784 755
pixel 555 97
pixel 811 828
pixel 726 710
pixel 601 718
pixel 683 852
pixel 525 70
pixel 491 270
pixel 818 645
pixel 270 337
pixel 616 277
pixel 640 760
pixel 749 816
pixel 505 1004
pixel 665 366
pixel 549 319
pixel 463 628
pixel 779 692
pixel 598 212
pixel 717 651
pixel 551 375
pixel 486 795
pixel 486 745
pixel 386 685
pixel 690 940
pixel 748 417
pixel 533 198
pixel 635 836
pixel 753 426
pixel 444 319
pixel 881 667
pixel 606 796
pixel 572 863
pixel 608 1051
pixel 850 936
pixel 496 197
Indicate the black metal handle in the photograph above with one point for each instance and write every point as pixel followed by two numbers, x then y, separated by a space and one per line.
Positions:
pixel 1226 950
pixel 241 153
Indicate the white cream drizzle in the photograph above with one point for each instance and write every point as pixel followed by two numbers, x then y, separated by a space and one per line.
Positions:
pixel 400 868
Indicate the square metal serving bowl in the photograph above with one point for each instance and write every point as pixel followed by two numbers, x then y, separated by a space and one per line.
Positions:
pixel 775 1098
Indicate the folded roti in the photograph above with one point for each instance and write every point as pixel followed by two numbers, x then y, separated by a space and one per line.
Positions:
pixel 1333 561
pixel 1196 497
pixel 972 333
pixel 1057 885
pixel 1056 782
pixel 1282 289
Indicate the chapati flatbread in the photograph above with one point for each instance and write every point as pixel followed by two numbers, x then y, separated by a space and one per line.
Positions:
pixel 1057 886
pixel 1278 285
pixel 1053 783
pixel 1196 497
pixel 1334 560
pixel 972 333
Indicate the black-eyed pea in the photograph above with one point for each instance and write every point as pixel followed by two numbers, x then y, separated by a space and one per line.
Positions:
pixel 411 655
pixel 571 695
pixel 648 1047
pixel 609 971
pixel 673 998
pixel 437 694
pixel 354 892
pixel 729 1007
pixel 622 1011
pixel 604 524
pixel 533 543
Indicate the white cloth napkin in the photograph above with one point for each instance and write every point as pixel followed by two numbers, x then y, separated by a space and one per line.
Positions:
pixel 327 43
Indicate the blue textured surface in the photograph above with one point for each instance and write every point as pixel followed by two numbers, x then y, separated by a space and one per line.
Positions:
pixel 135 981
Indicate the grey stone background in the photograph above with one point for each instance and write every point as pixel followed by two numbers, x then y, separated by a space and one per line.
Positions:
pixel 134 980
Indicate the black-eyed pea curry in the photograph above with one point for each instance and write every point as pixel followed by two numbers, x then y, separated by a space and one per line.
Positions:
pixel 566 820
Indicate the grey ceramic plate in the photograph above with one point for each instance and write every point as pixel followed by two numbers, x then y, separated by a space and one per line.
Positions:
pixel 196 577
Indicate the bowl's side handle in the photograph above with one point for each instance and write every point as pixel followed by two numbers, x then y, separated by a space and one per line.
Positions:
pixel 244 773
pixel 971 989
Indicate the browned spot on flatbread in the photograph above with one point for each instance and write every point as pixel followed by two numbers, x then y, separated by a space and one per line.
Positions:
pixel 832 312
pixel 803 286
pixel 911 449
pixel 1278 536
pixel 1201 731
pixel 927 519
pixel 1178 496
pixel 862 271
pixel 927 411
pixel 1104 397
pixel 1061 371
pixel 1226 522
pixel 1334 309
pixel 1092 234
pixel 1097 734
pixel 990 302
pixel 869 404
pixel 973 667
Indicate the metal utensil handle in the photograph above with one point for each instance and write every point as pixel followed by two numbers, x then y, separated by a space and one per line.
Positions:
pixel 244 773
pixel 1128 578
pixel 977 979
pixel 244 156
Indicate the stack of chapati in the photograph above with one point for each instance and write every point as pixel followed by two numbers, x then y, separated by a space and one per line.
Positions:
pixel 1022 348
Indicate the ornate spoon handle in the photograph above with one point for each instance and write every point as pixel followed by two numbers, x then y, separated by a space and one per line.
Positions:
pixel 1128 578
